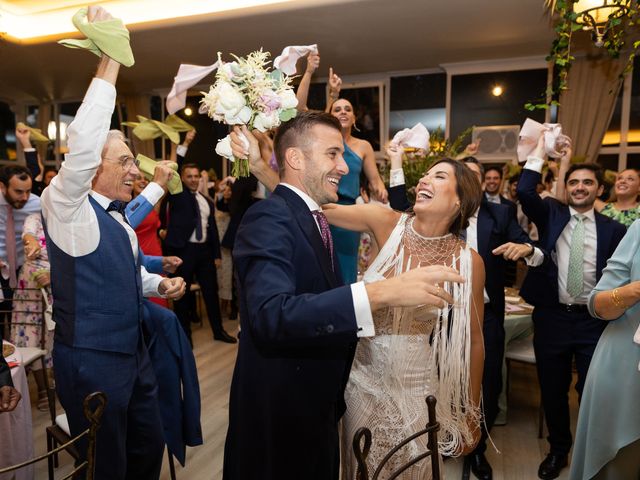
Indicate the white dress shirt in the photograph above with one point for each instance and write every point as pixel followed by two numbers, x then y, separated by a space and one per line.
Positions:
pixel 71 220
pixel 361 305
pixel 493 198
pixel 19 216
pixel 205 211
pixel 563 249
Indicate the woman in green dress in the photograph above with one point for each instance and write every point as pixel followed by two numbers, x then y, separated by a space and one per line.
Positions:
pixel 626 208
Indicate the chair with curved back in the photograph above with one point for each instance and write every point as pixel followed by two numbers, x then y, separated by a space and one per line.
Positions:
pixel 94 415
pixel 431 430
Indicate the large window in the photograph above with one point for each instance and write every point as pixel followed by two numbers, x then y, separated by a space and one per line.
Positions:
pixel 497 98
pixel 621 144
pixel 418 98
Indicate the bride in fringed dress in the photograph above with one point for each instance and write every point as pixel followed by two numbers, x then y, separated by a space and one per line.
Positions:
pixel 419 351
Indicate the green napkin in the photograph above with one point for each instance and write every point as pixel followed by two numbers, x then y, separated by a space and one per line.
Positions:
pixel 110 37
pixel 34 133
pixel 148 129
pixel 148 166
pixel 178 124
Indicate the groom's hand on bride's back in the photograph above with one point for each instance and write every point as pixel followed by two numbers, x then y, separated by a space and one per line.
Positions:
pixel 420 286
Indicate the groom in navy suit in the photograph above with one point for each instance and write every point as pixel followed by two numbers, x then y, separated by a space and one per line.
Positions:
pixel 299 324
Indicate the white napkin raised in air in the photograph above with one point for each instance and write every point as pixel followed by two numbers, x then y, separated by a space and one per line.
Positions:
pixel 416 137
pixel 531 132
pixel 187 77
pixel 287 60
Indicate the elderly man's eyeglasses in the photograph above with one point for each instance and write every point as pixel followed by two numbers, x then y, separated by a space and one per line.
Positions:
pixel 127 163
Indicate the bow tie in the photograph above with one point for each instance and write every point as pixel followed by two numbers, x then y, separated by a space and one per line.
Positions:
pixel 116 206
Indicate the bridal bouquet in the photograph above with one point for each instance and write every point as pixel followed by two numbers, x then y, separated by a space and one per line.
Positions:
pixel 248 92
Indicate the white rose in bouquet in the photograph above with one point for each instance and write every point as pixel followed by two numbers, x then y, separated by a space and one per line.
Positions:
pixel 231 104
pixel 223 148
pixel 229 70
pixel 288 99
pixel 264 122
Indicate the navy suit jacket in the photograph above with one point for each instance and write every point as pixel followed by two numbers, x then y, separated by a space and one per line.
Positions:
pixel 179 215
pixel 178 388
pixel 496 225
pixel 505 201
pixel 540 287
pixel 297 339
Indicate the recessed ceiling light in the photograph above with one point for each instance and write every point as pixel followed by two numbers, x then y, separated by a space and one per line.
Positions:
pixel 39 20
pixel 497 91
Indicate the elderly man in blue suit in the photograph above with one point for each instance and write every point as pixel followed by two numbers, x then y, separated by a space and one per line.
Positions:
pixel 99 285
pixel 299 323
pixel 579 241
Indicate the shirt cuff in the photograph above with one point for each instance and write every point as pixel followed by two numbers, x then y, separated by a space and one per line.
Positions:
pixel 536 258
pixel 534 163
pixel 153 193
pixel 25 150
pixel 182 150
pixel 101 93
pixel 362 308
pixel 396 177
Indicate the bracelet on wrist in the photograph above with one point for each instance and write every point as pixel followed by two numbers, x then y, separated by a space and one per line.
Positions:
pixel 617 300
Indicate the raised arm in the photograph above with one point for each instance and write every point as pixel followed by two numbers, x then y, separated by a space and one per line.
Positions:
pixel 565 163
pixel 261 169
pixel 378 190
pixel 532 205
pixel 397 188
pixel 302 94
pixel 87 135
pixel 335 84
pixel 363 218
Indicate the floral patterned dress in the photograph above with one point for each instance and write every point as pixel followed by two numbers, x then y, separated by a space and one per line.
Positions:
pixel 28 307
pixel 625 217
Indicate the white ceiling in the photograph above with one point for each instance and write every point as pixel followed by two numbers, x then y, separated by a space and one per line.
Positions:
pixel 355 37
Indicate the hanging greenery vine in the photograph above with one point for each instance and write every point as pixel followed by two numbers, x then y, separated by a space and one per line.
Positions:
pixel 613 38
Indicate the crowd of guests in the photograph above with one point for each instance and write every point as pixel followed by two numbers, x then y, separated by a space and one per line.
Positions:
pixel 327 332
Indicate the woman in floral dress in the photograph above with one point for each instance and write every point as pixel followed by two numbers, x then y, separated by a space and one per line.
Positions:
pixel 28 324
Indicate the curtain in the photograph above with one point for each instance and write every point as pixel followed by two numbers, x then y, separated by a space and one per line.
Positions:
pixel 588 103
pixel 138 105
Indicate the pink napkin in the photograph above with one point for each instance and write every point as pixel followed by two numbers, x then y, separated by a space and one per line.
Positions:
pixel 286 61
pixel 187 77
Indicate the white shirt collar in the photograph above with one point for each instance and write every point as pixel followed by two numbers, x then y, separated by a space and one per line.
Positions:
pixel 311 203
pixel 101 199
pixel 590 214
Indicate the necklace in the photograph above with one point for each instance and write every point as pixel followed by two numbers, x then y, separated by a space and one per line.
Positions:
pixel 427 251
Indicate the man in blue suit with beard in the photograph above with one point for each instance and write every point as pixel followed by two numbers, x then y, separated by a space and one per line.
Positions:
pixel 299 324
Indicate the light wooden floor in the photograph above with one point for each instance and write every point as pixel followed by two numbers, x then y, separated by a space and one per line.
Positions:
pixel 520 451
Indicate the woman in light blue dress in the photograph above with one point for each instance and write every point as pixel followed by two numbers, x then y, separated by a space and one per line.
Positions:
pixel 359 156
pixel 608 436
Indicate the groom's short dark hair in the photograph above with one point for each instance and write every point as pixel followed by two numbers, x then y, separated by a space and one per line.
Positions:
pixel 295 132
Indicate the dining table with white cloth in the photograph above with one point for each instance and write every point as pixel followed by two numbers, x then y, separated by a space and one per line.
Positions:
pixel 16 431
